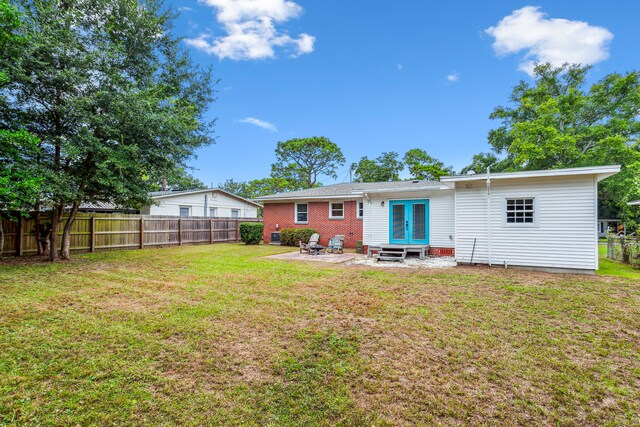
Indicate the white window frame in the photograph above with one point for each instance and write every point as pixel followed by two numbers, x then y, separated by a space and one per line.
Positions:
pixel 213 212
pixel 237 211
pixel 331 216
pixel 180 211
pixel 536 211
pixel 359 212
pixel 295 215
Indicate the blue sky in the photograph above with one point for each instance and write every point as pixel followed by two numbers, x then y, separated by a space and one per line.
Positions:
pixel 383 76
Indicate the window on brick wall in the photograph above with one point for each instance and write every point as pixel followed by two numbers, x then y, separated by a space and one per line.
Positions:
pixel 302 213
pixel 336 210
pixel 360 212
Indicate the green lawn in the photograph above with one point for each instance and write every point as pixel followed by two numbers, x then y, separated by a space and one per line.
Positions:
pixel 613 268
pixel 218 335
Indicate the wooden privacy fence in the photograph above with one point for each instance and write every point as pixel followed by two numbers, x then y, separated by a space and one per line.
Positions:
pixel 91 232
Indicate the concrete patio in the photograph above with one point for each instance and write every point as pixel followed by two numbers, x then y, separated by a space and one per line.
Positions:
pixel 328 258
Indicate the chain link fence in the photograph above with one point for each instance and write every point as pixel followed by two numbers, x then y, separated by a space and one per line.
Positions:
pixel 624 249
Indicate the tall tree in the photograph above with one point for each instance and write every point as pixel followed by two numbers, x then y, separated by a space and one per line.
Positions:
pixel 20 180
pixel 257 187
pixel 301 161
pixel 424 167
pixel 112 97
pixel 385 167
pixel 557 122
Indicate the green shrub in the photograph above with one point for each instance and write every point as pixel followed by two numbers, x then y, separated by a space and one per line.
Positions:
pixel 291 236
pixel 251 232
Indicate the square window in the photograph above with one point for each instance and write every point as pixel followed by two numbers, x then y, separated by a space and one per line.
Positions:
pixel 185 211
pixel 213 212
pixel 235 213
pixel 336 210
pixel 520 210
pixel 302 212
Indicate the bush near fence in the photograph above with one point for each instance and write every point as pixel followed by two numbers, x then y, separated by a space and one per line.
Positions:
pixel 91 232
pixel 251 232
pixel 624 249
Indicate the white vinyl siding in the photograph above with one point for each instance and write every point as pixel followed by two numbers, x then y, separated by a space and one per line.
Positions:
pixel 222 202
pixel 441 217
pixel 562 235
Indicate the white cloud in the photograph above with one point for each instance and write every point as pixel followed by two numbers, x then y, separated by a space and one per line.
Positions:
pixel 251 31
pixel 184 9
pixel 453 77
pixel 549 40
pixel 260 123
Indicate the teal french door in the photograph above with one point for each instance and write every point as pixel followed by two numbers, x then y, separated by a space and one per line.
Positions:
pixel 409 222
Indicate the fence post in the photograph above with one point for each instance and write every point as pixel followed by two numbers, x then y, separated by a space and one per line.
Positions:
pixel 210 231
pixel 179 231
pixel 92 243
pixel 141 232
pixel 237 230
pixel 19 237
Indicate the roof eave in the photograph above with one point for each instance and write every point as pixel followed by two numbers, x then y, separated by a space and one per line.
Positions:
pixel 601 172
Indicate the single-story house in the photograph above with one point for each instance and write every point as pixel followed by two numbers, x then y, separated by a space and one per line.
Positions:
pixel 211 202
pixel 546 219
pixel 607 225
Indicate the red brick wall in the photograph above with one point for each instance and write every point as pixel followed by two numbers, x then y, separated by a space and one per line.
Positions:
pixel 283 215
pixel 442 252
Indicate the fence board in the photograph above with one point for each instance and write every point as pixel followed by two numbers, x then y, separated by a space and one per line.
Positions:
pixel 92 232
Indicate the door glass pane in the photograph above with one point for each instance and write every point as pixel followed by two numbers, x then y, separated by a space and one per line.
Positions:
pixel 398 222
pixel 419 223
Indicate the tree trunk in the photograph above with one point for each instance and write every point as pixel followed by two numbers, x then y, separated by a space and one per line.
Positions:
pixel 66 233
pixel 1 238
pixel 56 213
pixel 37 230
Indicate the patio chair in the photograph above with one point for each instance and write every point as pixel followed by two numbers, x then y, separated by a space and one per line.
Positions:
pixel 336 244
pixel 312 245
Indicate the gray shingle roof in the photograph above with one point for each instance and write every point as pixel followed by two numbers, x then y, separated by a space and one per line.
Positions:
pixel 347 189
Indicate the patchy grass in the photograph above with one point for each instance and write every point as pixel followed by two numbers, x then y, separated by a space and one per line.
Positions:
pixel 217 335
pixel 613 268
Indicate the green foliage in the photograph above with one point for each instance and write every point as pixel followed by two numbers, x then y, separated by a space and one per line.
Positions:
pixel 251 232
pixel 292 236
pixel 177 179
pixel 119 100
pixel 257 187
pixel 558 123
pixel 482 161
pixel 301 161
pixel 424 167
pixel 385 167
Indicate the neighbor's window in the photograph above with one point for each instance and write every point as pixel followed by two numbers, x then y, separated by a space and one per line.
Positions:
pixel 360 213
pixel 235 213
pixel 302 212
pixel 336 210
pixel 520 210
pixel 213 212
pixel 185 210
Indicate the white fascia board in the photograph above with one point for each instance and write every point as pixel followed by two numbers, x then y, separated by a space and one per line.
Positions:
pixel 634 203
pixel 601 172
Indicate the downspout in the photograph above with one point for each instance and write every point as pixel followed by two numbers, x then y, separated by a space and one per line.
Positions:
pixel 489 213
pixel 366 196
pixel 206 205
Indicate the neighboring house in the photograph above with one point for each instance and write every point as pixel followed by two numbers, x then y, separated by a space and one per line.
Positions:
pixel 544 219
pixel 212 202
pixel 606 226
